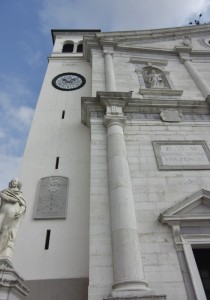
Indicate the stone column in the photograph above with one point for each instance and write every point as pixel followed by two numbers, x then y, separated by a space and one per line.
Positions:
pixel 128 271
pixel 184 55
pixel 197 78
pixel 109 71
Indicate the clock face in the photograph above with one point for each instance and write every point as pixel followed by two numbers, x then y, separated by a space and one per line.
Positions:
pixel 68 81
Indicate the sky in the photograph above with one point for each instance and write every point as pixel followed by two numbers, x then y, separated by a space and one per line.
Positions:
pixel 26 43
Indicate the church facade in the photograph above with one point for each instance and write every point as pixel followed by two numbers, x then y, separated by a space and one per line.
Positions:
pixel 116 170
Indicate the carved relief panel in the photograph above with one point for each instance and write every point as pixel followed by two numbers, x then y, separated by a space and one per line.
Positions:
pixel 52 196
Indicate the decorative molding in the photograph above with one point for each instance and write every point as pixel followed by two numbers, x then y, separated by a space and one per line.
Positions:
pixel 92 106
pixel 160 92
pixel 182 49
pixel 177 237
pixel 149 61
pixel 182 212
pixel 182 155
pixel 188 242
pixel 107 42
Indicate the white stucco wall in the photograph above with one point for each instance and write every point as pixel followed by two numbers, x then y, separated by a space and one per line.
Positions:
pixel 51 137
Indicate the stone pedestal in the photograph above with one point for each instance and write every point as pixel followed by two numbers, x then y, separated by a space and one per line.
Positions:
pixel 148 297
pixel 11 284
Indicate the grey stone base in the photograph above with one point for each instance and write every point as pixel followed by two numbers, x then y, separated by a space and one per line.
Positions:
pixel 58 289
pixel 12 286
pixel 148 297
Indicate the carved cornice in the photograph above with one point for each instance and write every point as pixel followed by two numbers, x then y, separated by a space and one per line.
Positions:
pixel 107 42
pixel 114 95
pixel 94 106
pixel 175 32
pixel 161 92
pixel 149 61
pixel 114 40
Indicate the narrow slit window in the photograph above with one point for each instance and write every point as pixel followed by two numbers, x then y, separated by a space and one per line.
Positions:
pixel 57 162
pixel 63 114
pixel 47 240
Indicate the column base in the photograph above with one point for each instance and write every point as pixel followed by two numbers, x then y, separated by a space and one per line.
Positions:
pixel 130 289
pixel 11 284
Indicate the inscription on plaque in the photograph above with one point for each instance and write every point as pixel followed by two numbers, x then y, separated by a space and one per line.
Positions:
pixel 182 155
pixel 52 196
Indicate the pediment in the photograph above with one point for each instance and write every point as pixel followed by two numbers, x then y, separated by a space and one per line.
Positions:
pixel 196 207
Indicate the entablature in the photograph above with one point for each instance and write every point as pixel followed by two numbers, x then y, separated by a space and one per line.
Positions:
pixel 96 107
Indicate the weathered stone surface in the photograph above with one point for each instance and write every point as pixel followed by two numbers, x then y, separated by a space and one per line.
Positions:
pixel 12 286
pixel 52 198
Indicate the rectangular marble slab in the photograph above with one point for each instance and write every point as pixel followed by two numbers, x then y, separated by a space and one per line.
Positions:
pixel 51 202
pixel 182 155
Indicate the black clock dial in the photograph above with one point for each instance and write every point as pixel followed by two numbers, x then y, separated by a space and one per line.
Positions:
pixel 68 81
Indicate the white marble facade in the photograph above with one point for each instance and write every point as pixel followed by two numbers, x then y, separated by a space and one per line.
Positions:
pixel 141 87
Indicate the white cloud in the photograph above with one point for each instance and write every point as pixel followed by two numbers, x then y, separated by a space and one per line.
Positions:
pixel 25 114
pixel 14 124
pixel 32 56
pixel 9 166
pixel 18 117
pixel 15 87
pixel 118 14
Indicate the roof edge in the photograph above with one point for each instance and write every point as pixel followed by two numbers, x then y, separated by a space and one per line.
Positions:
pixel 53 31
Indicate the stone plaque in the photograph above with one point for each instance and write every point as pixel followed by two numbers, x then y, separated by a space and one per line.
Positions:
pixel 52 196
pixel 181 155
pixel 171 115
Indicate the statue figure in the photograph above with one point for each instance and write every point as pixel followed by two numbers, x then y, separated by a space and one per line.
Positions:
pixel 187 40
pixel 12 209
pixel 155 80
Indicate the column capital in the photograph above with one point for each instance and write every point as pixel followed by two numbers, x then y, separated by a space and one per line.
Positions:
pixel 108 43
pixel 114 101
pixel 184 53
pixel 185 59
pixel 183 49
pixel 110 120
pixel 108 52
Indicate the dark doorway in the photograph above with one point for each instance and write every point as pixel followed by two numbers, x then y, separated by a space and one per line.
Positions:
pixel 202 258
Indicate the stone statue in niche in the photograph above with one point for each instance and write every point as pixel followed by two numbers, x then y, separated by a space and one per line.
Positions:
pixel 154 78
pixel 12 209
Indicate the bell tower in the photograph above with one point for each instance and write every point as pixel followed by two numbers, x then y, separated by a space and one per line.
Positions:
pixel 55 172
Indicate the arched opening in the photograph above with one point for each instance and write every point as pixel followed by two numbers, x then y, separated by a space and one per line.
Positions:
pixel 80 48
pixel 68 48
